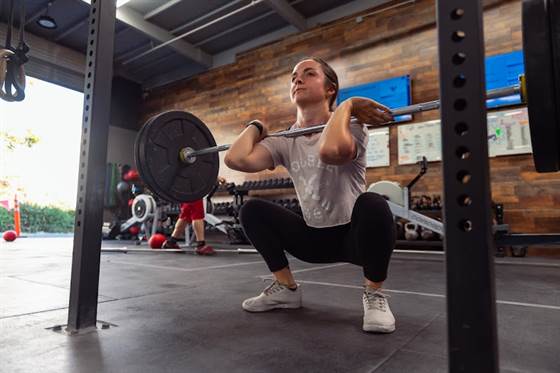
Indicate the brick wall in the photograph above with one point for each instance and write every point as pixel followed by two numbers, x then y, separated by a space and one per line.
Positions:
pixel 387 44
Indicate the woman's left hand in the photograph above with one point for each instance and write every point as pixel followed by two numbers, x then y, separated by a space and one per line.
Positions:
pixel 369 111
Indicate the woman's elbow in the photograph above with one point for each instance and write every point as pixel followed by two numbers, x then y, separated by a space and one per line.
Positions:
pixel 336 155
pixel 231 162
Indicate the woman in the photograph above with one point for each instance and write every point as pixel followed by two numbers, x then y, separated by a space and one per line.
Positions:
pixel 341 223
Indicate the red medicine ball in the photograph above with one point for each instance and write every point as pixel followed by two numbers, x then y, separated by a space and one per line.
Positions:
pixel 134 230
pixel 131 175
pixel 156 241
pixel 9 236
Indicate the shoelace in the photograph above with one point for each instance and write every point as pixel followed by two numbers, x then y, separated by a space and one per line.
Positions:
pixel 376 300
pixel 274 287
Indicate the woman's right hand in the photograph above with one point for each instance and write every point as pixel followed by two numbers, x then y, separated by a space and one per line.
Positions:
pixel 369 111
pixel 246 154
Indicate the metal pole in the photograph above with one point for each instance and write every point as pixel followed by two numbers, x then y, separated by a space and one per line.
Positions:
pixel 84 284
pixel 469 246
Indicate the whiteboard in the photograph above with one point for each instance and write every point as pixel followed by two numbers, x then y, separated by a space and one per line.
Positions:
pixel 378 148
pixel 508 133
pixel 419 140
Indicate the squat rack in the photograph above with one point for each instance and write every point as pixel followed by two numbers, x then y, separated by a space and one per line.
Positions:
pixel 471 306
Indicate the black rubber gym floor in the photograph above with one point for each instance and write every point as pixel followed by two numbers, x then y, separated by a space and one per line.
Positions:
pixel 182 313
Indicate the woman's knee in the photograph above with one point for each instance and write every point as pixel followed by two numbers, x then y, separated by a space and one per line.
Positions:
pixel 372 202
pixel 371 211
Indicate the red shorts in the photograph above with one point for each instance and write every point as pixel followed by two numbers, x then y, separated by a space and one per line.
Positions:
pixel 192 211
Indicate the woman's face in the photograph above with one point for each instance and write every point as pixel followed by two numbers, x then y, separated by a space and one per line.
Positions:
pixel 308 84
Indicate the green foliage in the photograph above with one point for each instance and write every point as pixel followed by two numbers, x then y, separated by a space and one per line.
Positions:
pixel 36 218
pixel 11 141
pixel 6 220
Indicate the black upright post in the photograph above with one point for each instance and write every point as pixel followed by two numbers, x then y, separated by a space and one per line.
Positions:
pixel 469 248
pixel 84 285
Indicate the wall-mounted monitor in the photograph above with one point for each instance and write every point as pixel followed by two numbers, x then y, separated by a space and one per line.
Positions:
pixel 394 93
pixel 502 71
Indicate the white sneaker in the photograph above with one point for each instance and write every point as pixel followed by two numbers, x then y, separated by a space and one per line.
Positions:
pixel 377 314
pixel 274 296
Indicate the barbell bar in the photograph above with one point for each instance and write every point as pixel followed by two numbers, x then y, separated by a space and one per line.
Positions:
pixel 188 155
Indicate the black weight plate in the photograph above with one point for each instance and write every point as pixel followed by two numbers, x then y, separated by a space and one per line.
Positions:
pixel 163 137
pixel 541 92
pixel 157 156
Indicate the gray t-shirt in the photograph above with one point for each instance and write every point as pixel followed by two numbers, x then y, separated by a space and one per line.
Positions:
pixel 326 193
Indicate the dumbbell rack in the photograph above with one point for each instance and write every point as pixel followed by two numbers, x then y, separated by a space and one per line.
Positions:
pixel 247 188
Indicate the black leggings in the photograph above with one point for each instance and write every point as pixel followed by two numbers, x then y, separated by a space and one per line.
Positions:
pixel 367 240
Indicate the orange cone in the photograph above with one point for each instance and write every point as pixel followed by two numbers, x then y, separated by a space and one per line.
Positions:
pixel 17 217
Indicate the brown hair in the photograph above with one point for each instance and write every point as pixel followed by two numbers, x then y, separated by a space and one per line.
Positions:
pixel 330 75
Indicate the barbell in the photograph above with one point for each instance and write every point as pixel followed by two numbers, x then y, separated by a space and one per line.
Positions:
pixel 189 155
pixel 177 156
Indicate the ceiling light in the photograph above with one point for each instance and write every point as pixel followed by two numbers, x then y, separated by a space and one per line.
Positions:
pixel 46 21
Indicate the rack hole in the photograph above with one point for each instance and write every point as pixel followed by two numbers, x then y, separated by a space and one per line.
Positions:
pixel 458 36
pixel 465 200
pixel 459 58
pixel 459 81
pixel 457 13
pixel 461 128
pixel 465 225
pixel 464 177
pixel 463 152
